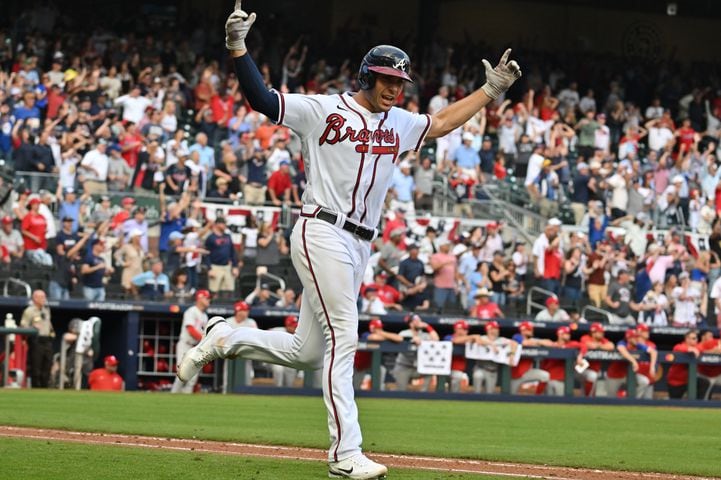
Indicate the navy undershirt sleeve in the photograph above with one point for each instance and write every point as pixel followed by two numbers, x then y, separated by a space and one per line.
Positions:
pixel 251 83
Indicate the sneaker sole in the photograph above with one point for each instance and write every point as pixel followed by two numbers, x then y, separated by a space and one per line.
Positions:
pixel 208 328
pixel 332 474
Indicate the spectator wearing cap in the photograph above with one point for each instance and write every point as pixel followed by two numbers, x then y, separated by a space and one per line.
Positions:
pixel 280 184
pixel 69 205
pixel 459 364
pixel 67 236
pixel 363 359
pixel 484 308
pixel 445 276
pixel 552 266
pixel 686 298
pixel 152 284
pixel 93 271
pixel 285 376
pixel 403 187
pixel 541 244
pixel 553 312
pixel 617 371
pixel 394 220
pixel 468 262
pixel 487 155
pixel 107 377
pixel 262 296
pixel 423 179
pixel 65 275
pixel 11 239
pixel 137 222
pixel 468 159
pixel 371 302
pixel 485 372
pixel 619 300
pixel 119 172
pixel 491 242
pixel 407 362
pixel 191 331
pixel 620 183
pixel 172 220
pixel 206 157
pixel 595 340
pixel 34 227
pixel 94 166
pixel 288 300
pixel 254 191
pixel 391 254
pixel 525 372
pixel 412 281
pixel 546 189
pixel 222 259
pixel 388 294
pixel 583 185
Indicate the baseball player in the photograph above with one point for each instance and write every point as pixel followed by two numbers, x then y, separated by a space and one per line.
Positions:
pixel 593 341
pixel 485 373
pixel 407 362
pixel 524 371
pixel 617 372
pixel 557 367
pixel 241 318
pixel 194 321
pixel 351 143
pixel 459 364
pixel 363 360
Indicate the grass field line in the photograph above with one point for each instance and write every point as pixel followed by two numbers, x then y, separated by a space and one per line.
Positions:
pixel 509 469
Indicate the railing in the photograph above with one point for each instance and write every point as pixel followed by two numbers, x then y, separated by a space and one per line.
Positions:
pixel 530 304
pixel 36 181
pixel 17 282
pixel 590 308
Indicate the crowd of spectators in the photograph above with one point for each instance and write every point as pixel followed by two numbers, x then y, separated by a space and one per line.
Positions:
pixel 85 116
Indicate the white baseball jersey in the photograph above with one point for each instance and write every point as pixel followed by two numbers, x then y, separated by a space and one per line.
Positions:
pixel 352 179
pixel 195 317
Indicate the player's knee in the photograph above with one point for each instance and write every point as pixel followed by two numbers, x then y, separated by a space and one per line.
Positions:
pixel 544 376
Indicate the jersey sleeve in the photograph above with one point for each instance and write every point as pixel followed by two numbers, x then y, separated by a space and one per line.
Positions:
pixel 413 128
pixel 300 113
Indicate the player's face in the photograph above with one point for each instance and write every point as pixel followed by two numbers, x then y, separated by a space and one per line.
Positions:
pixel 385 92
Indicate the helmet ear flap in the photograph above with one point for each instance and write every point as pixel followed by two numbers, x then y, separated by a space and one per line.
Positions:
pixel 366 78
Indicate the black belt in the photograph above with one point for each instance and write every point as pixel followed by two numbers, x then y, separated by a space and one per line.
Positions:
pixel 359 231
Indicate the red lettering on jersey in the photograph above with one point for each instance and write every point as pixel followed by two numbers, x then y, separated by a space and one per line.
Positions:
pixel 335 133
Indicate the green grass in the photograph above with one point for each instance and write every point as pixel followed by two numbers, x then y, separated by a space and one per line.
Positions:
pixel 673 440
pixel 40 459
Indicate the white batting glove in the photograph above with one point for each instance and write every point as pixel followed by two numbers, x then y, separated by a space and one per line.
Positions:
pixel 237 27
pixel 500 79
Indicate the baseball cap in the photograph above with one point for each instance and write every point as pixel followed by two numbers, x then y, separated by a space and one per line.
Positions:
pixel 404 164
pixel 581 166
pixel 140 209
pixel 642 327
pixel 291 321
pixel 563 329
pixel 412 246
pixel 631 332
pixel 69 190
pixel 264 286
pixel 104 198
pixel 67 218
pixel 7 220
pixel 136 232
pixel 468 136
pixel 127 201
pixel 597 327
pixel 677 179
pixel 175 235
pixel 461 324
pixel 241 306
pixel 284 162
pixel 482 292
pixel 34 201
pixel 111 360
pixel 375 323
pixel 683 275
pixel 525 326
pixel 551 301
pixel 192 223
pixel 555 222
pixel 202 294
pixel 492 324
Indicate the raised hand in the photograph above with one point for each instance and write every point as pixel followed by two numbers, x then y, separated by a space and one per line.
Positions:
pixel 500 79
pixel 237 27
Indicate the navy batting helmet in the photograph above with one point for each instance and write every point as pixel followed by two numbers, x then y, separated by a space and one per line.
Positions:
pixel 386 60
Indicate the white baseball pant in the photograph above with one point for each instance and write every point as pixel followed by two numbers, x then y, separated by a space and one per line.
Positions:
pixel 330 263
pixel 483 377
pixel 555 388
pixel 531 375
pixel 403 376
pixel 359 376
pixel 178 386
pixel 284 376
pixel 644 388
pixel 457 378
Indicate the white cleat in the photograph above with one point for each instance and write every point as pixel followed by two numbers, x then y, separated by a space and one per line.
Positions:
pixel 357 467
pixel 205 351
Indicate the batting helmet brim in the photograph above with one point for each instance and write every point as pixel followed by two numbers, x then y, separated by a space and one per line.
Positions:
pixel 393 72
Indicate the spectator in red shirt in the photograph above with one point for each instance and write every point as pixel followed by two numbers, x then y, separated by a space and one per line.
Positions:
pixel 390 297
pixel 34 227
pixel 499 166
pixel 618 371
pixel 553 260
pixel 711 373
pixel 127 204
pixel 106 378
pixel 130 144
pixel 686 136
pixel 280 184
pixel 677 377
pixel 524 371
pixel 484 308
pixel 556 367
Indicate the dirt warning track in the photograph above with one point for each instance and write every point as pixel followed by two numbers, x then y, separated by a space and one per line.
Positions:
pixel 449 465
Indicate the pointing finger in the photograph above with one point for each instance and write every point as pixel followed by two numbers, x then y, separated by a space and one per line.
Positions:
pixel 237 5
pixel 504 58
